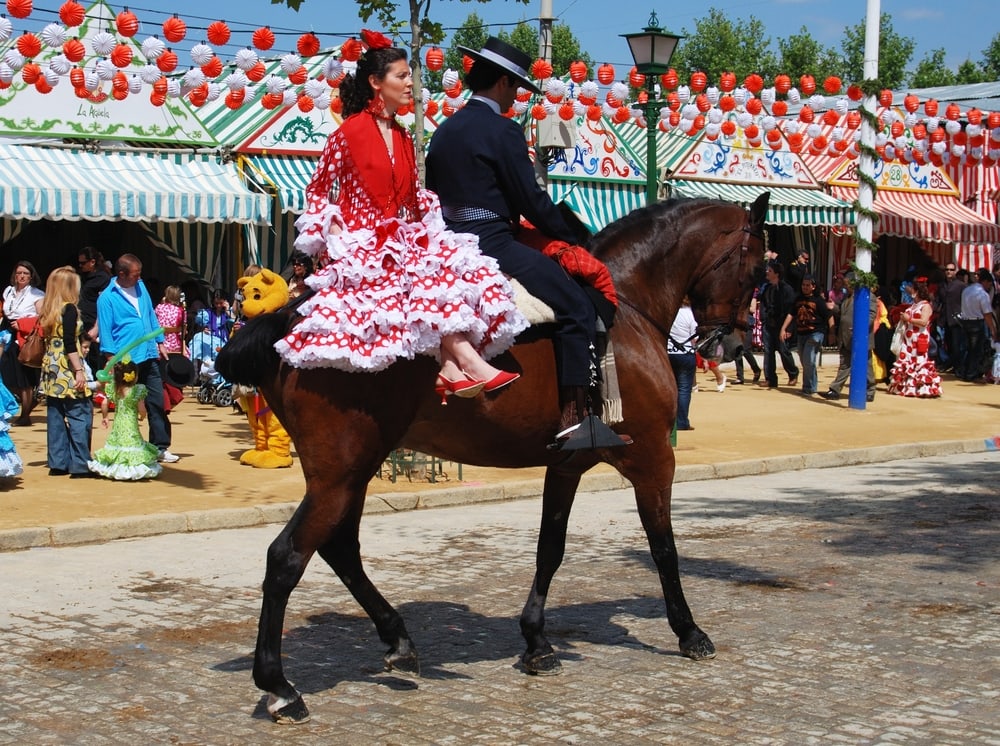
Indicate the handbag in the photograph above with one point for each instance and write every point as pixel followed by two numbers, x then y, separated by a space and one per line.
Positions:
pixel 32 349
pixel 897 338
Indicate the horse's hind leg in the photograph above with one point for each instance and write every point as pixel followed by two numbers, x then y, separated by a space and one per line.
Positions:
pixel 343 554
pixel 559 491
pixel 654 512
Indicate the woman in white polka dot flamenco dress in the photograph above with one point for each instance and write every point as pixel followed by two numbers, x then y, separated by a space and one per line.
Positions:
pixel 392 281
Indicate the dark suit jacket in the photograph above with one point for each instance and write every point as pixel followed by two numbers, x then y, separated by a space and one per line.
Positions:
pixel 480 159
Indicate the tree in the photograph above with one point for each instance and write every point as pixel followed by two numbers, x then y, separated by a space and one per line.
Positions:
pixel 991 59
pixel 472 34
pixel 719 45
pixel 565 46
pixel 932 71
pixel 894 53
pixel 970 72
pixel 802 54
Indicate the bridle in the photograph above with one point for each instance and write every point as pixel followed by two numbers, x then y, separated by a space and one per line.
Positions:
pixel 718 328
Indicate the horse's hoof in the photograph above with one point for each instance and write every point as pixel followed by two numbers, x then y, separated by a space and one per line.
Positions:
pixel 698 647
pixel 544 664
pixel 285 712
pixel 403 662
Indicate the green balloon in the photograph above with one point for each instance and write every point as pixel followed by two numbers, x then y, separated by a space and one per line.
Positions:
pixel 106 374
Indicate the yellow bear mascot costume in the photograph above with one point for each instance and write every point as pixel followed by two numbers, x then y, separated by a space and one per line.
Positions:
pixel 262 293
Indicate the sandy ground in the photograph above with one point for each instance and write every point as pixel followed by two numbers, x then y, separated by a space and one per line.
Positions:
pixel 741 423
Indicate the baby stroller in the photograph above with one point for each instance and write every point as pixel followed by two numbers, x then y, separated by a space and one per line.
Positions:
pixel 214 389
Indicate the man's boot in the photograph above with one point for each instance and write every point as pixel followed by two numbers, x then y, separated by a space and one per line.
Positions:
pixel 579 428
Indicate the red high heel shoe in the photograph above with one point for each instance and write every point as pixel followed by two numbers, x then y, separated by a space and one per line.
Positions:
pixel 501 379
pixel 466 389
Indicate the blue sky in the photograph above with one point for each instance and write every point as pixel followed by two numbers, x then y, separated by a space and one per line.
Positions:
pixel 963 28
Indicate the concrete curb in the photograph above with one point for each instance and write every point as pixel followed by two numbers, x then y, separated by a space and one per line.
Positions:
pixel 87 532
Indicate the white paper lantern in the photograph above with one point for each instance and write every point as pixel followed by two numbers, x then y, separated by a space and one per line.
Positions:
pixel 712 94
pixel 60 64
pixel 202 54
pixel 767 96
pixel 51 77
pixel 683 93
pixel 712 129
pixel 105 69
pixel 555 87
pixel 589 89
pixel 246 59
pixel 314 88
pixel 276 84
pixel 768 123
pixel 134 83
pixel 685 125
pixel 54 35
pixel 102 43
pixel 841 105
pixel 150 74
pixel 817 102
pixel 236 80
pixel 332 68
pixel 837 134
pixel 741 95
pixel 449 79
pixel 290 63
pixel 214 90
pixel 6 29
pixel 91 81
pixel 952 127
pixel 793 96
pixel 194 78
pixel 323 100
pixel 173 88
pixel 814 130
pixel 932 123
pixel 619 90
pixel 715 116
pixel 14 58
pixel 152 47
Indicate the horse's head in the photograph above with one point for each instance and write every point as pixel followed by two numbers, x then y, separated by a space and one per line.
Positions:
pixel 705 249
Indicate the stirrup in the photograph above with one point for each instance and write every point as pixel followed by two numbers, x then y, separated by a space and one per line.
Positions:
pixel 590 433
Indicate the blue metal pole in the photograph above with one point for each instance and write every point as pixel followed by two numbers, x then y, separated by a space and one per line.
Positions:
pixel 859 349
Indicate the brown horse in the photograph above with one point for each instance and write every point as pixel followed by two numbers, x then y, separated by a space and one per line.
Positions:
pixel 344 425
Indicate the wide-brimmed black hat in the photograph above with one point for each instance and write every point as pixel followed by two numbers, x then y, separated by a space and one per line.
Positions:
pixel 179 371
pixel 509 59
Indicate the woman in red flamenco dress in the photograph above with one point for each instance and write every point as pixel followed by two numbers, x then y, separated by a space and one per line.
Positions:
pixel 914 372
pixel 392 281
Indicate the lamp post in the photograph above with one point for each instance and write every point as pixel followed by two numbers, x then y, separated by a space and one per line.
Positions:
pixel 651 52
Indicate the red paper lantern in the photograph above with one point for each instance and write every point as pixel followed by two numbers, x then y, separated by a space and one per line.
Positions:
pixel 218 33
pixel 643 97
pixel 911 103
pixel 952 112
pixel 174 29
pixel 71 13
pixel 272 100
pixel 263 39
pixel 167 62
pixel 830 117
pixel 160 86
pixel 698 81
pixel 853 119
pixel 198 96
pixel 754 106
pixel 538 112
pixel 779 108
pixel 127 23
pixel 594 113
pixel 727 103
pixel 541 69
pixel 960 138
pixel 728 128
pixel 431 109
pixel 234 99
pixel 119 81
pixel 727 81
pixel 74 50
pixel 795 142
pixel 28 44
pixel 157 99
pixel 773 135
pixel 931 107
pixel 896 129
pixel 606 74
pixel 832 85
pixel 121 55
pixel 669 79
pixel 467 62
pixel 885 97
pixel 806 114
pixel 77 77
pixel 993 120
pixel 752 132
pixel 434 59
pixel 919 131
pixel 635 78
pixel 702 102
pixel 975 116
pixel 257 72
pixel 19 8
pixel 578 71
pixel 81 92
pixel 305 103
pixel 566 111
pixel 820 142
pixel 456 91
pixel 337 105
pixel 807 84
pixel 754 83
pixel 308 44
pixel 30 72
pixel 854 92
pixel 42 85
pixel 938 135
pixel 299 76
pixel 622 115
pixel 698 123
pixel 213 68
pixel 674 118
pixel 350 50
pixel 782 84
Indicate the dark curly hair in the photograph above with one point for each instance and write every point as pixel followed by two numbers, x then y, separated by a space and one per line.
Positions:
pixel 355 90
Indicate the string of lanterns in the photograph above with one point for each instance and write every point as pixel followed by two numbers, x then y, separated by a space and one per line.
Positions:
pixel 727 109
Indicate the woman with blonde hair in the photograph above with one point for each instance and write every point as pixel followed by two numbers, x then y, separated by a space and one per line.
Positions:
pixel 70 414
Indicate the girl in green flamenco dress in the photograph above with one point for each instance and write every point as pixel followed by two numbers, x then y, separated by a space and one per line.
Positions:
pixel 126 456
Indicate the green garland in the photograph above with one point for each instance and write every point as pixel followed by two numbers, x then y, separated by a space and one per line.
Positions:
pixel 861 277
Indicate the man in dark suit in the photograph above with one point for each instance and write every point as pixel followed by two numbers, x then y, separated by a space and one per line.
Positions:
pixel 479 166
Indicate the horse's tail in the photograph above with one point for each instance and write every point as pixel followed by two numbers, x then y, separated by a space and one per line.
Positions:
pixel 249 357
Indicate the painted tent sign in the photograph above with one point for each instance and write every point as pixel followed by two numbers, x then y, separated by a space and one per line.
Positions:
pixel 25 111
pixel 597 154
pixel 293 132
pixel 898 177
pixel 736 161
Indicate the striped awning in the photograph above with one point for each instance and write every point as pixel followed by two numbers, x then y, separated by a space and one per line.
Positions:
pixel 59 184
pixel 598 204
pixel 287 175
pixel 787 206
pixel 927 217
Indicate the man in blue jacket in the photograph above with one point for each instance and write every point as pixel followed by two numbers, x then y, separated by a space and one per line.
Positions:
pixel 124 314
pixel 479 166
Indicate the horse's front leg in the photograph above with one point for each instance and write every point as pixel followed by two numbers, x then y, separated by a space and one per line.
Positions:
pixel 343 554
pixel 559 492
pixel 287 558
pixel 654 512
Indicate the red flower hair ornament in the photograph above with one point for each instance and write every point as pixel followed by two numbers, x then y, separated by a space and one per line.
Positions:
pixel 375 40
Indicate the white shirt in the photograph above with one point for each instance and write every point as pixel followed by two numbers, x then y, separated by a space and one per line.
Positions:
pixel 21 304
pixel 682 331
pixel 975 302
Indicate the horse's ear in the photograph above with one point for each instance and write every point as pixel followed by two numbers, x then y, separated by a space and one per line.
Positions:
pixel 758 210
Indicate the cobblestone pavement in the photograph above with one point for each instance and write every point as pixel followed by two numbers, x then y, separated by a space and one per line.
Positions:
pixel 852 605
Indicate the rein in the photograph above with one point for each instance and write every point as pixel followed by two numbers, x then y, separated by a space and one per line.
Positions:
pixel 721 326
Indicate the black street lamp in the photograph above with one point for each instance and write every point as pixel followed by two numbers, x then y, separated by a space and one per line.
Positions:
pixel 651 51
